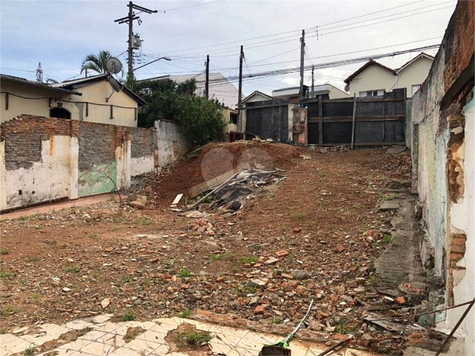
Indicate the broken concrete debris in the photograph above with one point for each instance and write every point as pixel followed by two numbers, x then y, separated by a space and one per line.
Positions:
pixel 231 194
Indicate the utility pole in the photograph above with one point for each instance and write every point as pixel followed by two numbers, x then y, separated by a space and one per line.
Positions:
pixel 313 82
pixel 302 55
pixel 207 77
pixel 130 51
pixel 129 19
pixel 241 57
pixel 39 73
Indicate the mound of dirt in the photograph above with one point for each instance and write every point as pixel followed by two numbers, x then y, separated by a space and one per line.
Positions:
pixel 216 159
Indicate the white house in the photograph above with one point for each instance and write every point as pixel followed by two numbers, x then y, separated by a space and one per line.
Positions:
pixel 375 79
pixel 225 92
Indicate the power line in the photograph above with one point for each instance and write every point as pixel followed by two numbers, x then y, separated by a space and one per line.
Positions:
pixel 344 53
pixel 313 28
pixel 187 7
pixel 388 20
pixel 383 17
pixel 332 64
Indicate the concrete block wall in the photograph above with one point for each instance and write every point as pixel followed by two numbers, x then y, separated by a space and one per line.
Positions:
pixel 48 159
pixel 35 161
pixel 143 150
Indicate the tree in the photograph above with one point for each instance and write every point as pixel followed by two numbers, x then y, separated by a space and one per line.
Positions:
pixel 200 120
pixel 162 97
pixel 96 63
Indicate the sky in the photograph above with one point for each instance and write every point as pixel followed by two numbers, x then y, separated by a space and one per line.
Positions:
pixel 59 34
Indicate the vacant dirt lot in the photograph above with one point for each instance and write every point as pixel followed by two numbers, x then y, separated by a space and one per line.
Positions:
pixel 315 235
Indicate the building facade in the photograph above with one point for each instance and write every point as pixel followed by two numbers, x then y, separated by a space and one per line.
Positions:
pixel 375 79
pixel 100 99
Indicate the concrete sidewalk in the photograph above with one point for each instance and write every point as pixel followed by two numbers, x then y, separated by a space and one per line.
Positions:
pixel 99 336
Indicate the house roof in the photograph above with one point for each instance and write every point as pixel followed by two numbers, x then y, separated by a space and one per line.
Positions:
pixel 225 92
pixel 254 93
pixel 78 83
pixel 364 67
pixel 43 86
pixel 416 58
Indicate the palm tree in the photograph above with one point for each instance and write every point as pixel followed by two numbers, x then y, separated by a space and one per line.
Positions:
pixel 96 63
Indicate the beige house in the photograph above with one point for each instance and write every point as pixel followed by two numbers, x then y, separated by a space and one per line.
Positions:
pixel 375 79
pixel 100 99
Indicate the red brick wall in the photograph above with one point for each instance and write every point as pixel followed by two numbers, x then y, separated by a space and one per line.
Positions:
pixel 461 42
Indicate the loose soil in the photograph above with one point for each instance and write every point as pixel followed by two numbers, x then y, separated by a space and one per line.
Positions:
pixel 176 339
pixel 59 266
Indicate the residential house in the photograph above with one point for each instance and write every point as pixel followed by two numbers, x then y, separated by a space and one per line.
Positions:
pixel 225 92
pixel 255 96
pixel 375 79
pixel 293 93
pixel 100 99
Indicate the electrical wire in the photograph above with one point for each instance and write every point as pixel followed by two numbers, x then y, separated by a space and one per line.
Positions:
pixel 190 51
pixel 187 7
pixel 352 52
pixel 330 64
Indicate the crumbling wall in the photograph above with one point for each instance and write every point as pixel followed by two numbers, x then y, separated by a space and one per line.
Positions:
pixel 97 158
pixel 144 143
pixel 443 154
pixel 36 164
pixel 48 159
pixel 170 142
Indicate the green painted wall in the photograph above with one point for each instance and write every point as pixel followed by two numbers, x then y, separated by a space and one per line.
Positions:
pixel 98 180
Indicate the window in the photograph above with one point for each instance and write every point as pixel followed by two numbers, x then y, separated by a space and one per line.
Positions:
pixel 379 92
pixel 233 118
pixel 415 88
pixel 60 113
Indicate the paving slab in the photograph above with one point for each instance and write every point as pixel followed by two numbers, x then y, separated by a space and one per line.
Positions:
pixel 102 337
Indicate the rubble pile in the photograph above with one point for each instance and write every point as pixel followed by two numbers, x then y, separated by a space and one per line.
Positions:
pixel 315 236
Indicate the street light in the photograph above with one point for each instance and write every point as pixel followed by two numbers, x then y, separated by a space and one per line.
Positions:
pixel 155 60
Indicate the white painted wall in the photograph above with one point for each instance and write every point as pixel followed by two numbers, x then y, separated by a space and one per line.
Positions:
pixel 170 142
pixel 141 165
pixel 43 181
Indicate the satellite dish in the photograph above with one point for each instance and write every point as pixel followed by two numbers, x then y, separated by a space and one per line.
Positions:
pixel 113 65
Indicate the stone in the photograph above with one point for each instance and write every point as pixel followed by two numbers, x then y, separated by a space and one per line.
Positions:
pixel 220 279
pixel 271 260
pixel 297 229
pixel 340 248
pixel 389 205
pixel 20 330
pixel 300 274
pixel 400 300
pixel 259 282
pixel 105 303
pixel 137 205
pixel 282 253
pixel 66 289
pixel 236 205
pixel 288 276
pixel 260 309
pixel 366 340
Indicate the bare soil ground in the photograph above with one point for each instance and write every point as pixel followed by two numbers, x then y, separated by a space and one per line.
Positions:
pixel 323 220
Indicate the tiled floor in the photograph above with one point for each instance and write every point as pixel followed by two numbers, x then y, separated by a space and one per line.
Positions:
pixel 107 338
